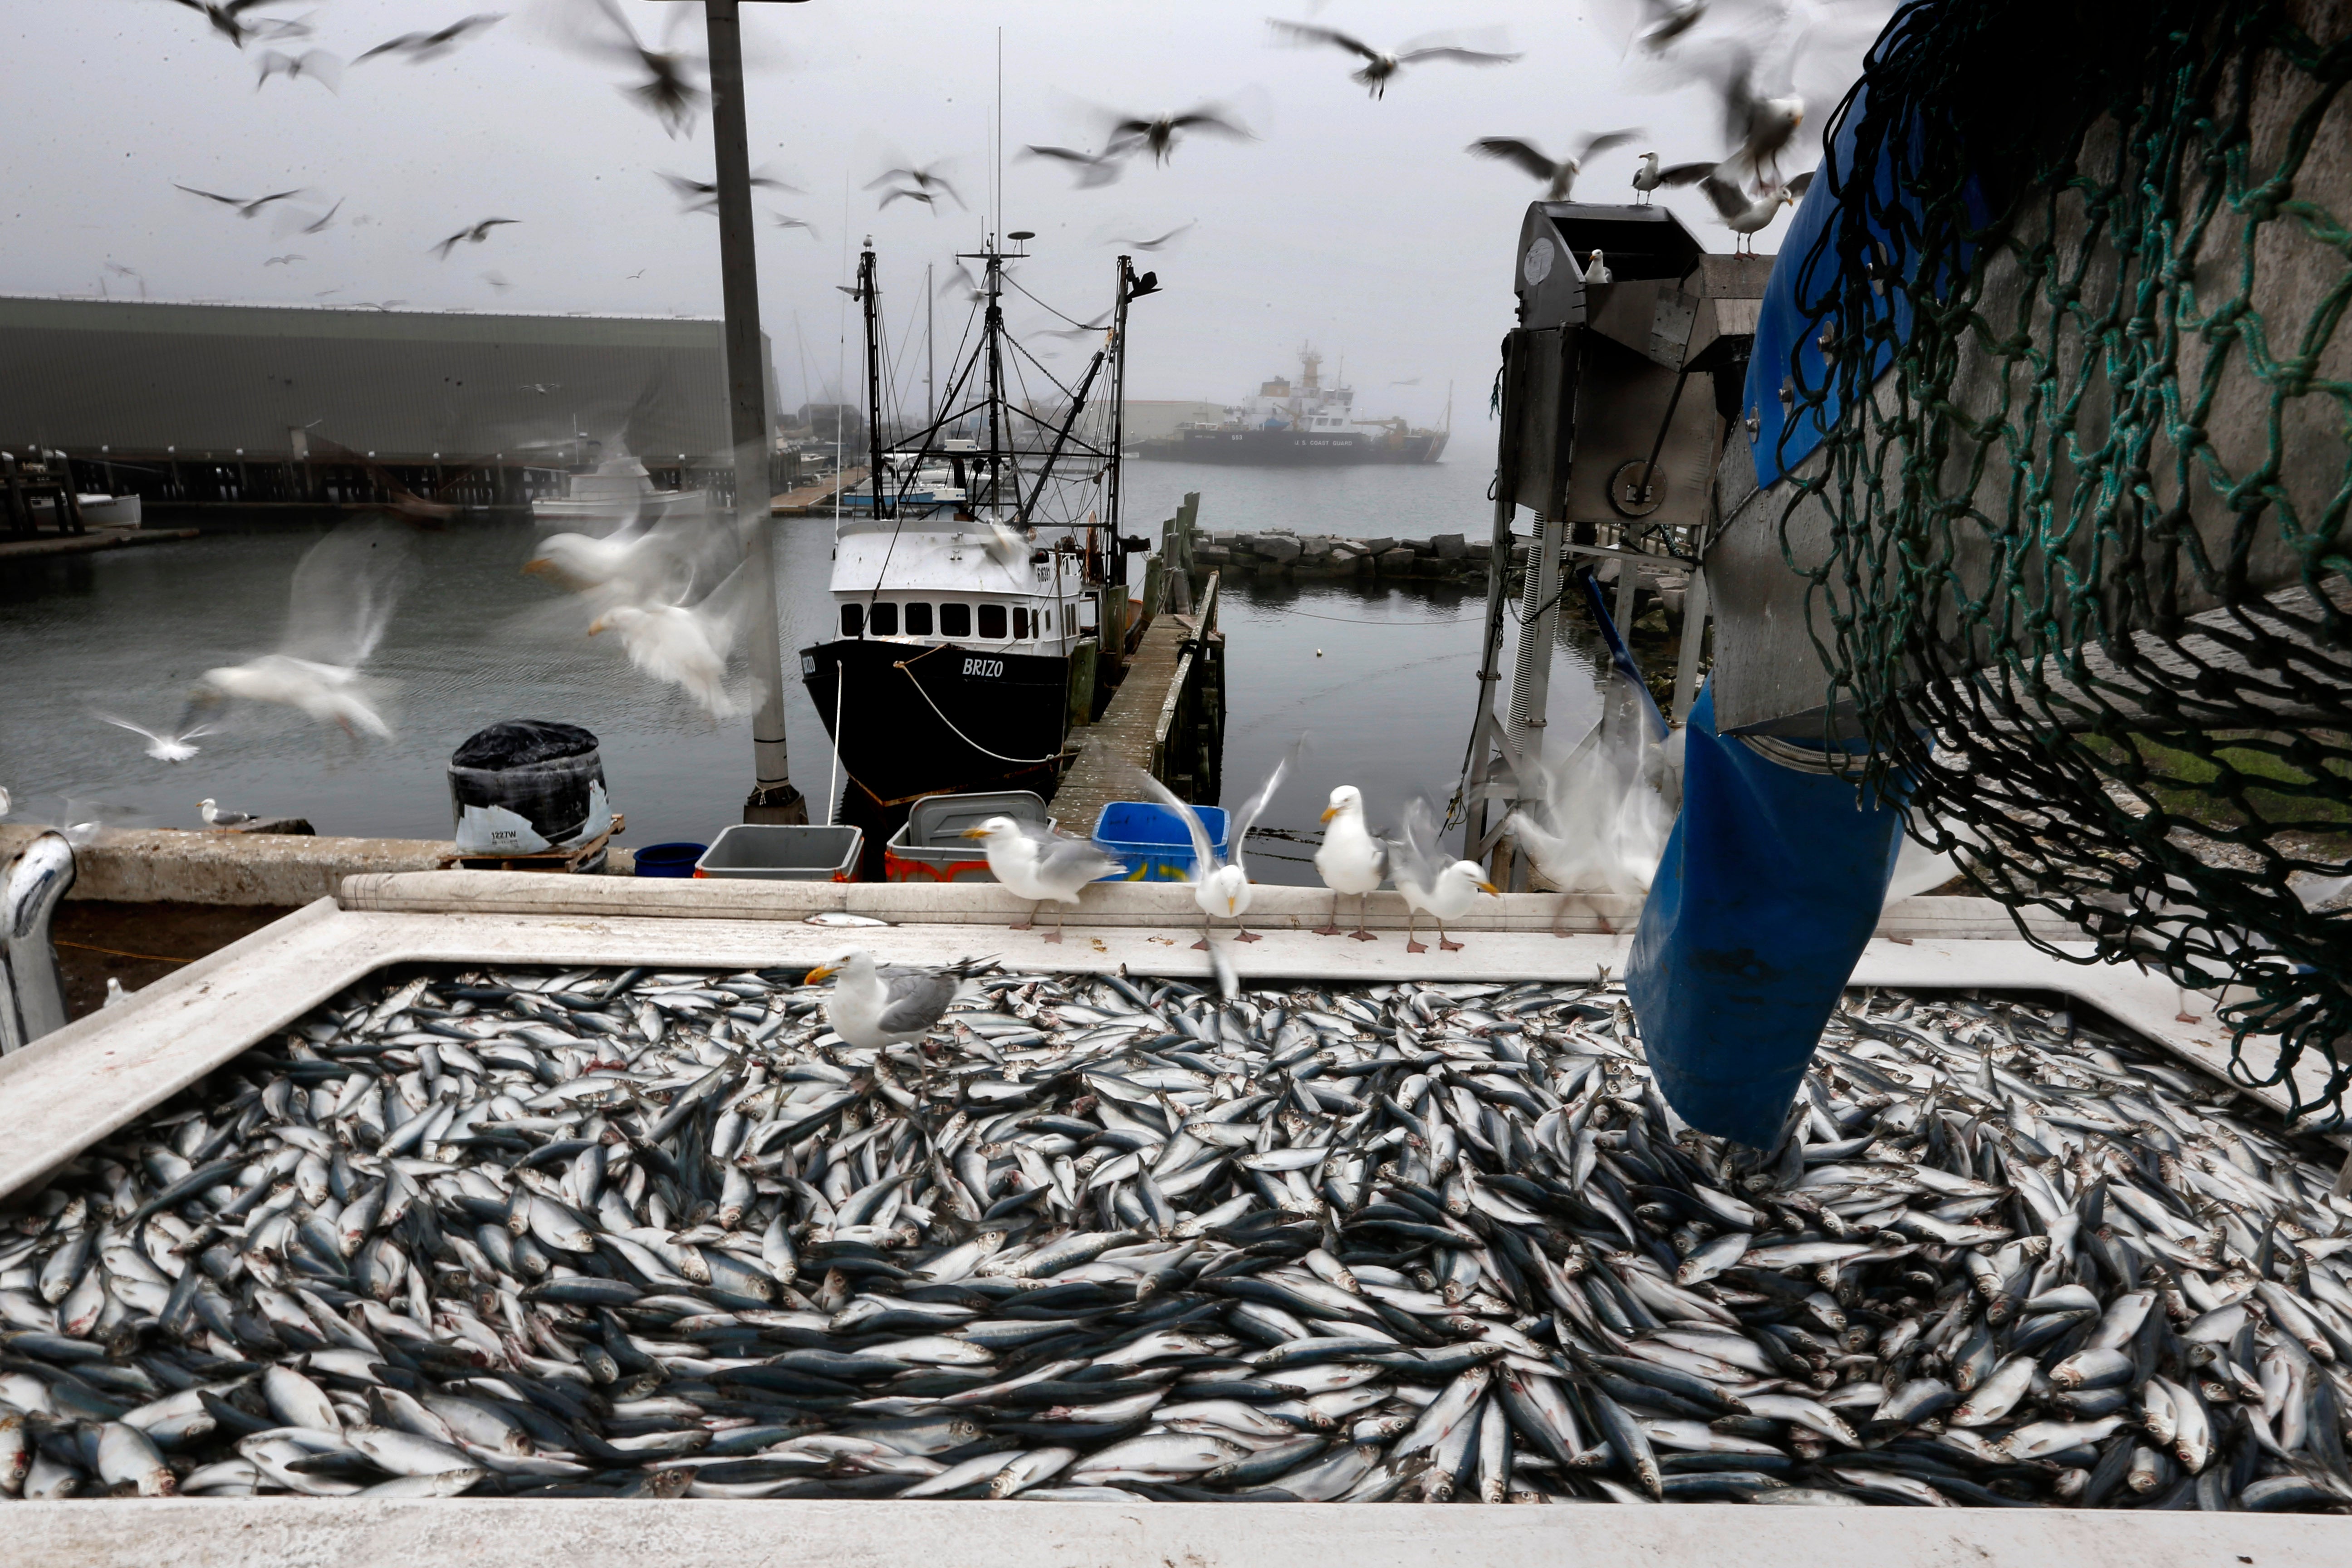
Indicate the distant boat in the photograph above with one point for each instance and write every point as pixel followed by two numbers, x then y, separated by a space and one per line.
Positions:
pixel 618 488
pixel 97 511
pixel 1301 424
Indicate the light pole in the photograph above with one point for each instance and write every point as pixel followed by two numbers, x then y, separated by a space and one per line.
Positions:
pixel 772 799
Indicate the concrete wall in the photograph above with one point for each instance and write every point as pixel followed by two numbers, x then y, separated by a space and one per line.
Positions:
pixel 150 866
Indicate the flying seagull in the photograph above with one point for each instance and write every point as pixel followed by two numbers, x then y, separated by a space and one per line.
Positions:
pixel 223 16
pixel 702 195
pixel 422 46
pixel 784 222
pixel 1532 160
pixel 477 234
pixel 319 65
pixel 325 219
pixel 1160 135
pixel 164 746
pixel 928 181
pixel 1382 64
pixel 282 261
pixel 243 208
pixel 1092 168
pixel 666 92
pixel 1156 244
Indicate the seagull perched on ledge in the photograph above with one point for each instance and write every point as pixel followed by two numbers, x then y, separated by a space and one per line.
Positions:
pixel 1351 860
pixel 1041 867
pixel 215 817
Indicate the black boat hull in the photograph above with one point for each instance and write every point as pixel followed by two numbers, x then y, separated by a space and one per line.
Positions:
pixel 913 720
pixel 1293 448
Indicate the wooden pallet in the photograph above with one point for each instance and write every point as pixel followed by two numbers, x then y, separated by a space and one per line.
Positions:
pixel 569 860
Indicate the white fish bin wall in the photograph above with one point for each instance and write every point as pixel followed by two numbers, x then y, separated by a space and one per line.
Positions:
pixel 469 1217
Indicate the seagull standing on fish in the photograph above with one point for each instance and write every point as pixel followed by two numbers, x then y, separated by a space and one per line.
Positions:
pixel 1041 867
pixel 1350 859
pixel 1431 885
pixel 872 1007
pixel 1221 889
pixel 1531 160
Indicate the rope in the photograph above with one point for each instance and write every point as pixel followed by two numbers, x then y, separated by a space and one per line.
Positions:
pixel 117 953
pixel 2083 478
pixel 959 734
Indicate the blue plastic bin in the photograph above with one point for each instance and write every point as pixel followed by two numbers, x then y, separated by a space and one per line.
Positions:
pixel 1152 841
pixel 668 859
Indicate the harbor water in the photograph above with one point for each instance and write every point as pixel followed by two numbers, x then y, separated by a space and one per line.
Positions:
pixel 1381 679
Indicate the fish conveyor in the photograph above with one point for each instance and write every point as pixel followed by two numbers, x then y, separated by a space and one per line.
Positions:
pixel 97 1075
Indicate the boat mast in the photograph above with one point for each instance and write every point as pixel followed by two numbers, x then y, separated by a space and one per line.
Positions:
pixel 992 328
pixel 931 359
pixel 869 302
pixel 1123 281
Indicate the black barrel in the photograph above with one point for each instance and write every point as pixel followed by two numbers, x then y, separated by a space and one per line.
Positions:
pixel 528 785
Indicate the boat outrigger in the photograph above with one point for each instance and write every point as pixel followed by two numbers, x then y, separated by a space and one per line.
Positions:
pixel 976 562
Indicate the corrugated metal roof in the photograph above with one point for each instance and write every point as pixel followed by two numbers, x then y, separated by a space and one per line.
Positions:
pixel 139 377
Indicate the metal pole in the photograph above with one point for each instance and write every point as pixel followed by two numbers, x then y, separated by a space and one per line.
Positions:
pixel 1124 280
pixel 772 799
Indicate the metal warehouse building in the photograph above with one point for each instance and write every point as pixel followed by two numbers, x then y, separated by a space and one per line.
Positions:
pixel 239 403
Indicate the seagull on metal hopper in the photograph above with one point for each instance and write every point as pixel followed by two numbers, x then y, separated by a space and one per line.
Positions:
pixel 1350 858
pixel 1533 161
pixel 1431 885
pixel 338 607
pixel 1220 888
pixel 872 1007
pixel 1648 177
pixel 1042 867
pixel 1380 65
pixel 1748 215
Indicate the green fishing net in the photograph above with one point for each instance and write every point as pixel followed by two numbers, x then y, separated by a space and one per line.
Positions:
pixel 2075 534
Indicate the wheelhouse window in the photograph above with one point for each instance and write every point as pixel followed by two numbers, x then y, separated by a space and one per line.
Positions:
pixel 882 620
pixel 852 620
pixel 955 620
pixel 1020 622
pixel 992 622
pixel 918 620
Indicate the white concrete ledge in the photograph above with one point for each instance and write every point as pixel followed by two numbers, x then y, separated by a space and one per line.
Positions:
pixel 162 864
pixel 1162 904
pixel 318 1532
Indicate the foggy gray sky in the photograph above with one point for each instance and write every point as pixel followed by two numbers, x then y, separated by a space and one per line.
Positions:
pixel 1359 224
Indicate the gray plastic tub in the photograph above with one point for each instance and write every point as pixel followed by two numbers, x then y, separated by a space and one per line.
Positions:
pixel 931 846
pixel 775 853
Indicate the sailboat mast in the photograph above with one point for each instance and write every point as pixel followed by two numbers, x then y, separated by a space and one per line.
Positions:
pixel 869 301
pixel 930 356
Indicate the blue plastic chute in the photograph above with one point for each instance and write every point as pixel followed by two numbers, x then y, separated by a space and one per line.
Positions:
pixel 1772 881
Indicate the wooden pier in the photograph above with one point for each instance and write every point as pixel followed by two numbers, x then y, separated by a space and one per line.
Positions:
pixel 1167 714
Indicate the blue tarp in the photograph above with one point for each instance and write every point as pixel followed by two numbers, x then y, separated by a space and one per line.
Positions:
pixel 1806 284
pixel 1771 883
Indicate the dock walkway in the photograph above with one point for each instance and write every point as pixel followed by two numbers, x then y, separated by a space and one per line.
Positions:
pixel 1166 718
pixel 816 496
pixel 83 543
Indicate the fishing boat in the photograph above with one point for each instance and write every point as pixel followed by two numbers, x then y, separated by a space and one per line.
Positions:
pixel 973 563
pixel 618 488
